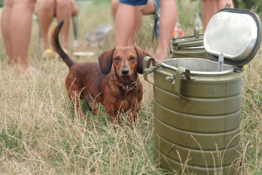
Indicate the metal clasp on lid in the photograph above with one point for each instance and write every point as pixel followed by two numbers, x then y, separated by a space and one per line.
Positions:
pixel 254 9
pixel 181 73
pixel 196 32
pixel 151 70
pixel 220 62
pixel 227 5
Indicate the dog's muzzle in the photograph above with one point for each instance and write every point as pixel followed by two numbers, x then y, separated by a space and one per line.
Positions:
pixel 125 71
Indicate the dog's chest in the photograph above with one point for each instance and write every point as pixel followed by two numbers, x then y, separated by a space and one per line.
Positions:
pixel 123 99
pixel 126 102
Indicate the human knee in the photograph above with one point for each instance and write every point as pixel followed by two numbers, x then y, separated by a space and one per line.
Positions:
pixel 45 5
pixel 62 4
pixel 8 3
pixel 74 7
pixel 30 4
pixel 139 9
pixel 114 5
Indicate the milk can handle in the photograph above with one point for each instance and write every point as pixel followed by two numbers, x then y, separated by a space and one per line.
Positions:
pixel 145 65
pixel 179 72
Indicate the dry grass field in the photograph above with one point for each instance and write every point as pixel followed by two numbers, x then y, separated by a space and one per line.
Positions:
pixel 39 133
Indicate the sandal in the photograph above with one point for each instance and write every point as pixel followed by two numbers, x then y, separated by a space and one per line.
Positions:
pixel 48 53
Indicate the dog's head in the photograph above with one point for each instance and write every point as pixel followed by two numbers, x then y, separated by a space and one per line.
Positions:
pixel 127 61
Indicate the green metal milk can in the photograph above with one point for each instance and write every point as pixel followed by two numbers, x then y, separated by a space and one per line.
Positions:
pixel 197 102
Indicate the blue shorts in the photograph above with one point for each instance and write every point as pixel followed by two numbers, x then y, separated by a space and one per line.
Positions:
pixel 140 2
pixel 133 2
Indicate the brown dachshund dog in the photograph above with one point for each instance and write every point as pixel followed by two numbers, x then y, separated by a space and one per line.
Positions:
pixel 118 89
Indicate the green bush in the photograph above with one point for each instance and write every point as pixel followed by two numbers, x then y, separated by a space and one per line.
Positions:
pixel 248 4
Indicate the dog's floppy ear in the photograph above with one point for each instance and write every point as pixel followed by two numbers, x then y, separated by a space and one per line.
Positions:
pixel 105 61
pixel 141 54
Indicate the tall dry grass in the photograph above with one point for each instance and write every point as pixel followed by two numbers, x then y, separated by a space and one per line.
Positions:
pixel 39 133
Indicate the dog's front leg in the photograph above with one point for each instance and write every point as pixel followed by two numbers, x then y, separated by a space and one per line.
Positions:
pixel 134 112
pixel 76 105
pixel 112 113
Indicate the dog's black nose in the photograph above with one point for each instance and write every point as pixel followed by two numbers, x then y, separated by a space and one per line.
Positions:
pixel 125 71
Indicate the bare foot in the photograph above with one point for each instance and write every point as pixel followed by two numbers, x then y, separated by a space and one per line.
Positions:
pixel 14 72
pixel 29 71
pixel 18 72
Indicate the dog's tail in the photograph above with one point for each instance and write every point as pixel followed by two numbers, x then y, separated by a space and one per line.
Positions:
pixel 55 45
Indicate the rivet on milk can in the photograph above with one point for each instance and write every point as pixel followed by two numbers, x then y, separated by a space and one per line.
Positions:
pixel 197 102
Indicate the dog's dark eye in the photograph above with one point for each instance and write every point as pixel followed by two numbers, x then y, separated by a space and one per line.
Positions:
pixel 117 59
pixel 132 58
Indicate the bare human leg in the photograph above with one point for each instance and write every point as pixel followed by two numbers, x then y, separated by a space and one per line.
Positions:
pixel 45 11
pixel 16 31
pixel 64 12
pixel 149 8
pixel 124 24
pixel 5 28
pixel 210 7
pixel 167 23
pixel 126 34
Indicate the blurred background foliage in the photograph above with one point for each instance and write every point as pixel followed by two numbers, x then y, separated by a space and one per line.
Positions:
pixel 248 4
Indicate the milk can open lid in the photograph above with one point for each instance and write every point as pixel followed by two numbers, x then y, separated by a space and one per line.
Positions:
pixel 235 33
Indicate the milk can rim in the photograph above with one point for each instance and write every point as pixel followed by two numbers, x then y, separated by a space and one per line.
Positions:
pixel 198 72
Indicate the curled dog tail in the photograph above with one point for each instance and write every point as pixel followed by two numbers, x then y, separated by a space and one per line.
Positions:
pixel 55 45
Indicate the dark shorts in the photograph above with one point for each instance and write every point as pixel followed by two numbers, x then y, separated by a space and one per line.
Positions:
pixel 134 2
pixel 140 2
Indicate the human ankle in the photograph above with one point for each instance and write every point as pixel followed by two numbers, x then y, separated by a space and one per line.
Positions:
pixel 160 57
pixel 44 45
